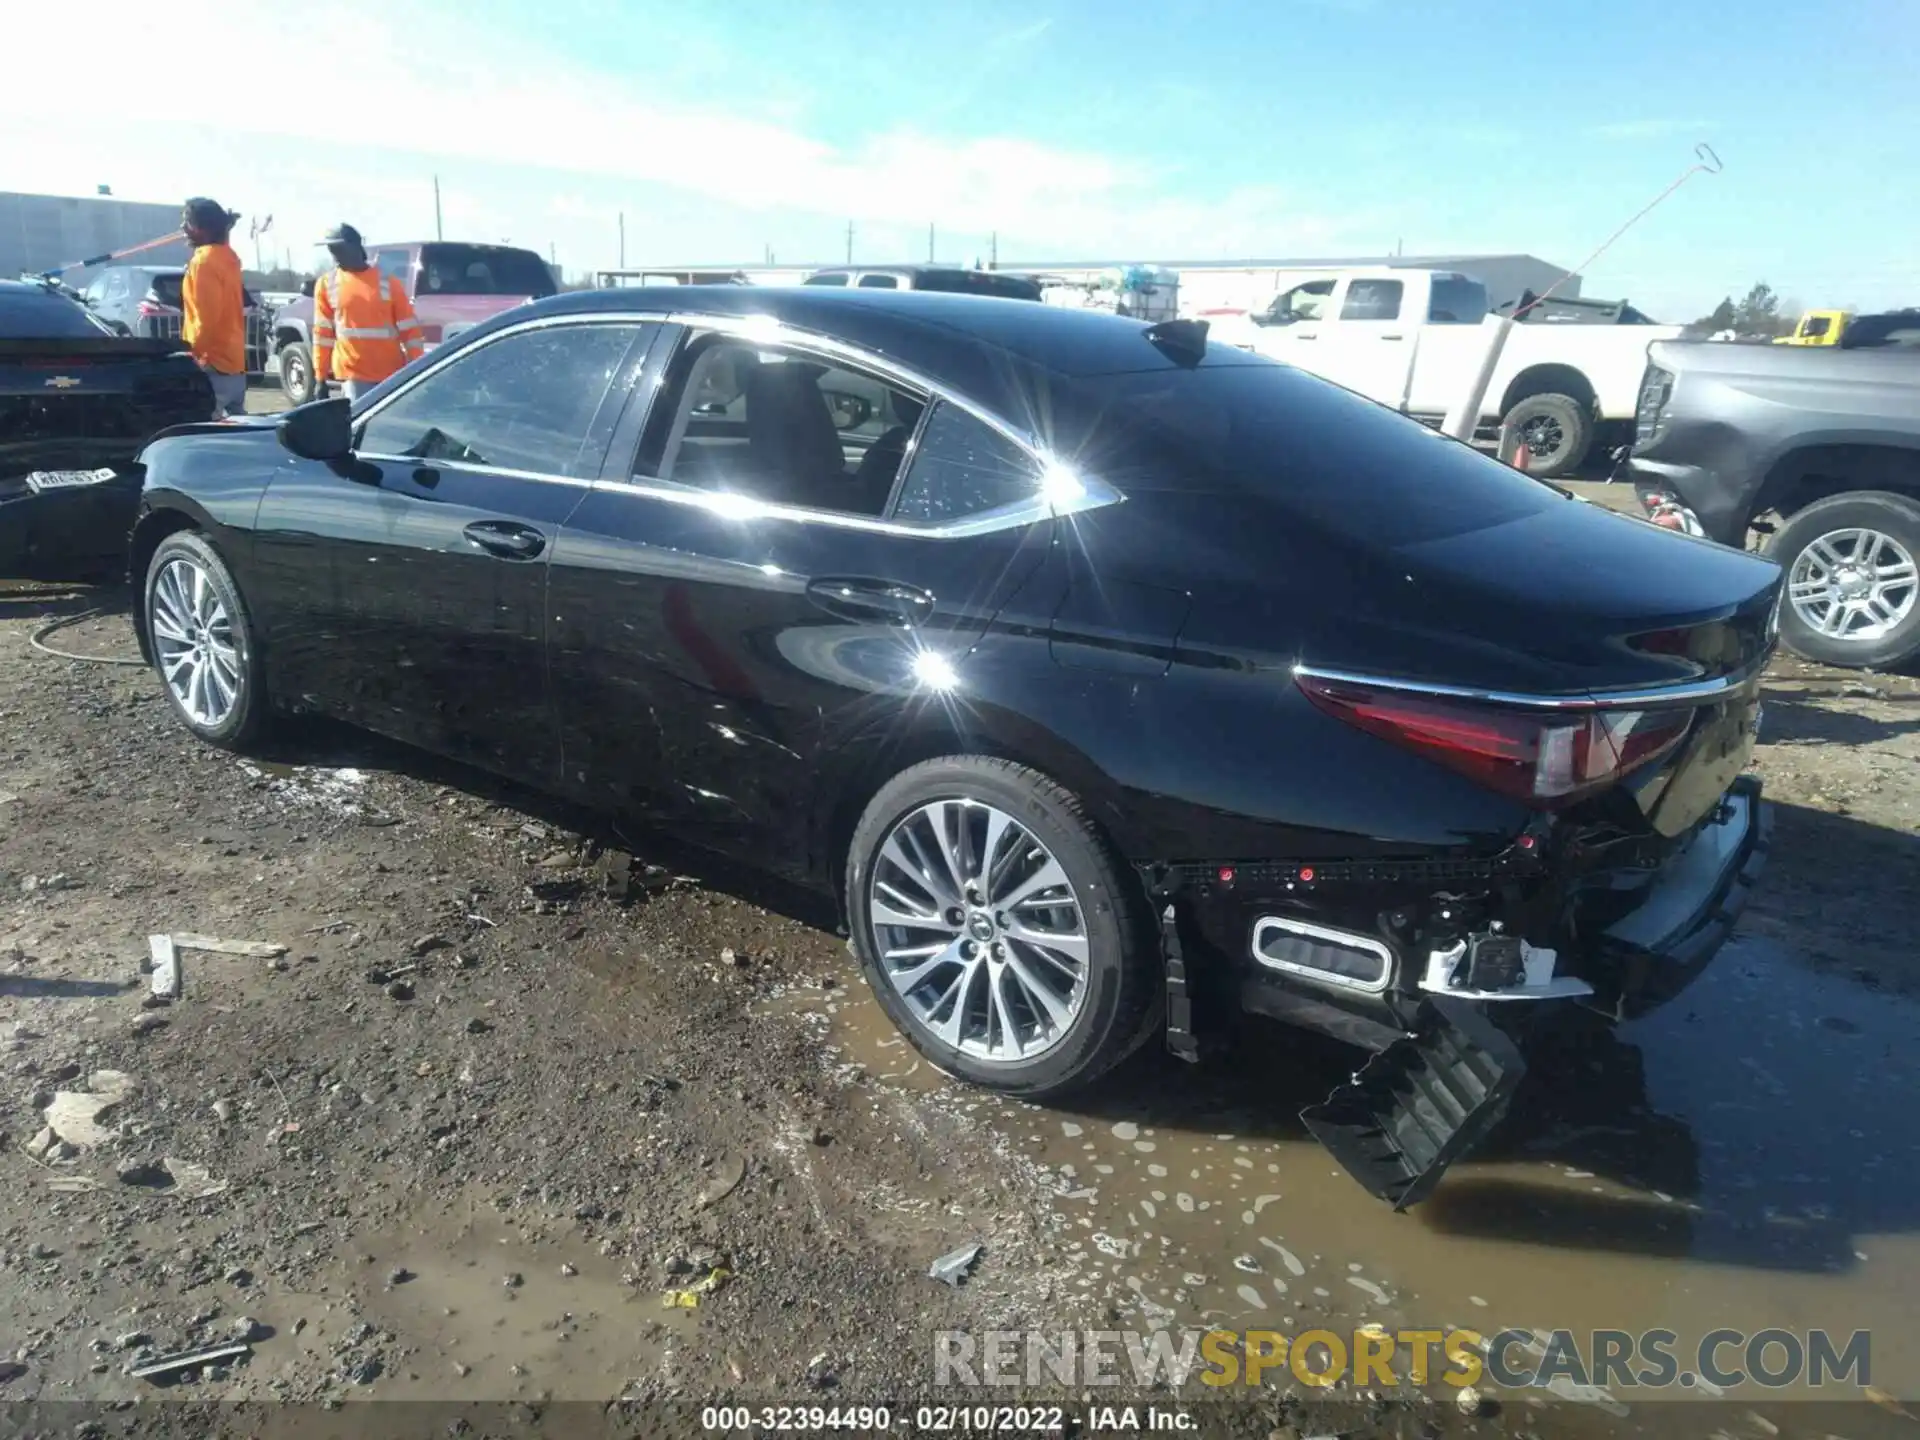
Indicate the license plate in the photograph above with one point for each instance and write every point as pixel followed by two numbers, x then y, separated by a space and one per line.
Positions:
pixel 39 480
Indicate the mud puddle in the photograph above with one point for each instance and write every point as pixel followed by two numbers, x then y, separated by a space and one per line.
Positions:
pixel 460 1301
pixel 1747 1158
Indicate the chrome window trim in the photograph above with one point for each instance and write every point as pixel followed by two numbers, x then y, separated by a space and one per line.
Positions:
pixel 1365 944
pixel 764 329
pixel 429 462
pixel 1648 697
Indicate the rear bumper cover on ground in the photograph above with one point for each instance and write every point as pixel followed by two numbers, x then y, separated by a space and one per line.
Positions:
pixel 1445 1066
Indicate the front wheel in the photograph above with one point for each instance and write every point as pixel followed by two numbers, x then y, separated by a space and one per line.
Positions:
pixel 296 373
pixel 999 930
pixel 202 642
pixel 1853 583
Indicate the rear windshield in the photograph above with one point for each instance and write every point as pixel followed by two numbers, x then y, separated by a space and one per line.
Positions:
pixel 483 270
pixel 978 282
pixel 36 315
pixel 1332 457
pixel 1456 300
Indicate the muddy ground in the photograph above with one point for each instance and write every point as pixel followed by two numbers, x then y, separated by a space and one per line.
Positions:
pixel 516 1079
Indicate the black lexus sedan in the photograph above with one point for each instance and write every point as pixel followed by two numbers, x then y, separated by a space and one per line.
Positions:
pixel 1116 681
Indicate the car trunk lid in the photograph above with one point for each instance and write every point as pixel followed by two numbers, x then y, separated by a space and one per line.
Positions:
pixel 80 404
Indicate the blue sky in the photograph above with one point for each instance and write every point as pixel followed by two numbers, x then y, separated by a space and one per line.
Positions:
pixel 1188 128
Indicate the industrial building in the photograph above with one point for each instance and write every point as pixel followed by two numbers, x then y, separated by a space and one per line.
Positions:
pixel 40 232
pixel 1204 284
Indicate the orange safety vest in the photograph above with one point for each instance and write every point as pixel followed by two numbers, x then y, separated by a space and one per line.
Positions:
pixel 364 327
pixel 214 302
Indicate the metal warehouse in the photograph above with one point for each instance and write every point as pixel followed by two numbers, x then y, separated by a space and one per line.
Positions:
pixel 39 232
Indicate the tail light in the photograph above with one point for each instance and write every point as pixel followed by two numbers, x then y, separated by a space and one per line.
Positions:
pixel 1545 759
pixel 1656 388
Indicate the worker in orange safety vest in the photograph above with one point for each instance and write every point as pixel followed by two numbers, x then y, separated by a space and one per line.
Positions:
pixel 364 328
pixel 213 302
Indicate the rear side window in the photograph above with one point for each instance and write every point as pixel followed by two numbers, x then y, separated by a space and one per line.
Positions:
pixel 1372 300
pixel 834 278
pixel 167 289
pixel 36 315
pixel 979 282
pixel 963 467
pixel 1456 300
pixel 879 282
pixel 530 401
pixel 483 270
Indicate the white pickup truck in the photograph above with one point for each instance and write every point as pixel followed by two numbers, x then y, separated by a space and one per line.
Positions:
pixel 1413 339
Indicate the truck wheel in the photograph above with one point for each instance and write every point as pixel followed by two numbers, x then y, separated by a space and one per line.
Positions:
pixel 296 372
pixel 998 929
pixel 1557 431
pixel 1852 588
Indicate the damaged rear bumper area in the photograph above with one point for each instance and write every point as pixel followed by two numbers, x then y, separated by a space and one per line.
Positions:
pixel 1438 986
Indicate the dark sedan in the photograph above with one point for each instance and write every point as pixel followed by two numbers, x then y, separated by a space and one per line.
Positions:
pixel 1116 681
pixel 76 404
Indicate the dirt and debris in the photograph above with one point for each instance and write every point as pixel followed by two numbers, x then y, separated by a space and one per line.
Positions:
pixel 617 1076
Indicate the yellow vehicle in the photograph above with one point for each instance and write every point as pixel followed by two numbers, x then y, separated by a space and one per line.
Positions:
pixel 1817 327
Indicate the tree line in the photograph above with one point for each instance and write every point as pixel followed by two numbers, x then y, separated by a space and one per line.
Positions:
pixel 1759 315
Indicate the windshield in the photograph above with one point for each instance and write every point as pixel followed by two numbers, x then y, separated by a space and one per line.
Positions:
pixel 37 315
pixel 1333 457
pixel 483 270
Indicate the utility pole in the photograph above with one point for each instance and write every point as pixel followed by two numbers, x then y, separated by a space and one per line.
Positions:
pixel 438 233
pixel 993 251
pixel 623 239
pixel 929 242
pixel 849 242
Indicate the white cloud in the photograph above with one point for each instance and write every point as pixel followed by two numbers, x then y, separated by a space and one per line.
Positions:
pixel 1648 129
pixel 358 135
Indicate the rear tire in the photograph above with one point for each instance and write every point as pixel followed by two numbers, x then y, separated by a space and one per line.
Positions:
pixel 1852 595
pixel 296 373
pixel 1562 426
pixel 201 638
pixel 1018 1019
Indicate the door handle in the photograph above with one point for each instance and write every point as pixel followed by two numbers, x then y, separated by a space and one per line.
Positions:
pixel 869 600
pixel 1306 337
pixel 1393 337
pixel 506 539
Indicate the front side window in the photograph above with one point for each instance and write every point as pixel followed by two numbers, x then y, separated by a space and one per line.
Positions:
pixel 879 282
pixel 962 467
pixel 1817 326
pixel 1302 302
pixel 832 277
pixel 1372 300
pixel 528 401
pixel 784 427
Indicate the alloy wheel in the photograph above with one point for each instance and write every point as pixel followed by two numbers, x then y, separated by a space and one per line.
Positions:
pixel 1855 585
pixel 978 929
pixel 1543 435
pixel 193 641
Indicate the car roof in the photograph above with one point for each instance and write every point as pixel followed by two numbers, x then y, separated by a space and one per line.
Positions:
pixel 962 339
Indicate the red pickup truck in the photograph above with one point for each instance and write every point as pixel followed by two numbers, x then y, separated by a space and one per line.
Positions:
pixel 454 287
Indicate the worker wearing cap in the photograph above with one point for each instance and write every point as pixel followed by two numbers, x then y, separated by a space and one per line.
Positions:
pixel 364 328
pixel 215 303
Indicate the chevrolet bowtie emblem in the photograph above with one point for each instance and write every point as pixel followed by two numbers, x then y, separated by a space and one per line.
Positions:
pixel 62 382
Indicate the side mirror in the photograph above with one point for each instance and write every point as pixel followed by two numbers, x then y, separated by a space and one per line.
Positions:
pixel 322 430
pixel 306 287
